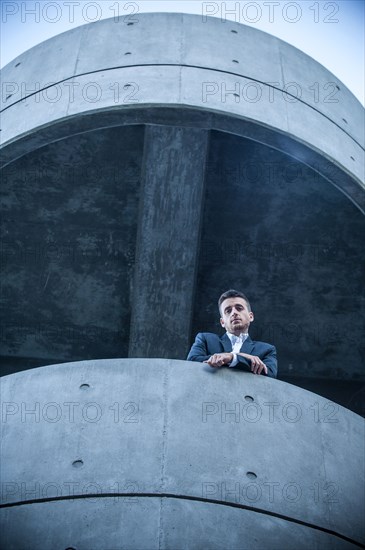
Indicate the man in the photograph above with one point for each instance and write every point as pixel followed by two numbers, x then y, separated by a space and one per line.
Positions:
pixel 235 348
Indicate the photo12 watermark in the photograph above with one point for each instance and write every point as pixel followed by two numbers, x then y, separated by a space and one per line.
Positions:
pixel 72 412
pixel 249 411
pixel 23 491
pixel 69 12
pixel 70 92
pixel 271 12
pixel 270 92
pixel 269 492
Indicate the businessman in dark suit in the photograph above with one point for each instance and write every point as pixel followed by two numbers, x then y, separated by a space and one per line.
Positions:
pixel 235 348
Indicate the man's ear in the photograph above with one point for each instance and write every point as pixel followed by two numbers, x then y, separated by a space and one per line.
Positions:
pixel 222 322
pixel 251 316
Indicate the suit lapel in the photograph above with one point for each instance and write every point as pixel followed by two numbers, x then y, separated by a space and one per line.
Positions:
pixel 247 346
pixel 226 343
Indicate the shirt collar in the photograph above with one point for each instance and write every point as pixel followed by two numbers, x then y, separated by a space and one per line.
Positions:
pixel 243 336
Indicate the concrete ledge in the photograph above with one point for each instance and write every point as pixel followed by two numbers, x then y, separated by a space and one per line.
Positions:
pixel 164 427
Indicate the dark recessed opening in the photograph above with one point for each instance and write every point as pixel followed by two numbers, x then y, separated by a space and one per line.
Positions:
pixel 345 121
pixel 78 463
pixel 235 61
pixel 352 158
pixel 249 398
pixel 251 475
pixel 127 53
pixel 129 24
pixel 84 386
pixel 17 65
pixel 234 32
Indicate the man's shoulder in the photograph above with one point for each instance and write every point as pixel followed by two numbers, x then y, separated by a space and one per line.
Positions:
pixel 208 335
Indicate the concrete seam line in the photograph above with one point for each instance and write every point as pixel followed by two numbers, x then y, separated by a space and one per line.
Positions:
pixel 191 67
pixel 190 498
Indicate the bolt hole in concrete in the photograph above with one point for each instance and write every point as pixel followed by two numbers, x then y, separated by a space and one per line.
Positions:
pixel 235 61
pixel 129 24
pixel 17 65
pixel 337 87
pixel 345 121
pixel 249 398
pixel 234 32
pixel 84 386
pixel 251 475
pixel 78 463
pixel 126 86
pixel 127 53
pixel 352 158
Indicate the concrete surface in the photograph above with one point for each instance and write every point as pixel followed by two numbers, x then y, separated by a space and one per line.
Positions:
pixel 263 192
pixel 171 454
pixel 254 76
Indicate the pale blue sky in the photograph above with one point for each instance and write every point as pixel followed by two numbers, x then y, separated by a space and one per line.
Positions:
pixel 330 32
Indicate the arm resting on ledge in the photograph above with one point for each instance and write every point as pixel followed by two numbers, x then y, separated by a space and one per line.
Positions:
pixel 267 353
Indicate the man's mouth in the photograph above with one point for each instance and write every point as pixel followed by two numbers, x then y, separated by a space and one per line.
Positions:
pixel 236 321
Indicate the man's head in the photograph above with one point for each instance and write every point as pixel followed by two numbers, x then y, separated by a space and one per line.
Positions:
pixel 235 312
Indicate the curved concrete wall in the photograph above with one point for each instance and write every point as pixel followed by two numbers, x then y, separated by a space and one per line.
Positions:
pixel 152 453
pixel 114 66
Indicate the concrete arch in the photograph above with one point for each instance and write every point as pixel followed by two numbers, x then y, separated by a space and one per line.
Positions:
pixel 287 95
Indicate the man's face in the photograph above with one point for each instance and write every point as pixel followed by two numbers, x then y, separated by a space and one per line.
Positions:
pixel 236 317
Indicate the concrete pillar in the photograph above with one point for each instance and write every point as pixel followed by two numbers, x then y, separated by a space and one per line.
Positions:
pixel 168 239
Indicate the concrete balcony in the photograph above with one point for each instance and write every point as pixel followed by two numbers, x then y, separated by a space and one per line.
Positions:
pixel 168 454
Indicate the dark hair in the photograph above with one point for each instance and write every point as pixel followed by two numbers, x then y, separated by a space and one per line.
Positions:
pixel 232 294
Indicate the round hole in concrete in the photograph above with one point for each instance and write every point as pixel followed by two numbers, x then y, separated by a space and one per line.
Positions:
pixel 236 95
pixel 235 61
pixel 126 86
pixel 78 463
pixel 84 386
pixel 251 475
pixel 345 121
pixel 337 87
pixel 234 32
pixel 249 398
pixel 352 158
pixel 127 53
pixel 17 65
pixel 129 24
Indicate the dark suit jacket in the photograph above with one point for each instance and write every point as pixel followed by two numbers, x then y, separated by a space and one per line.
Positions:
pixel 208 343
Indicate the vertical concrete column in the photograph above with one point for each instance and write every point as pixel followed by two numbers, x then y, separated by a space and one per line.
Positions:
pixel 167 240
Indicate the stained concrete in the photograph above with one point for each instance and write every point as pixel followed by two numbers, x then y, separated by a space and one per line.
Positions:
pixel 182 445
pixel 168 241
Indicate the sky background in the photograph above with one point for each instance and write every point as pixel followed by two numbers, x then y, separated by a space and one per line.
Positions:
pixel 330 32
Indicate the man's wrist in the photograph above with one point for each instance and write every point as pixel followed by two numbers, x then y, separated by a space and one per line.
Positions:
pixel 234 361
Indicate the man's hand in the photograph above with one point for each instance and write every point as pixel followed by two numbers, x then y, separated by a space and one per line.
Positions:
pixel 257 366
pixel 219 359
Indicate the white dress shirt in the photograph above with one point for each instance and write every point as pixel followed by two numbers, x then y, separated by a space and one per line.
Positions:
pixel 236 342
